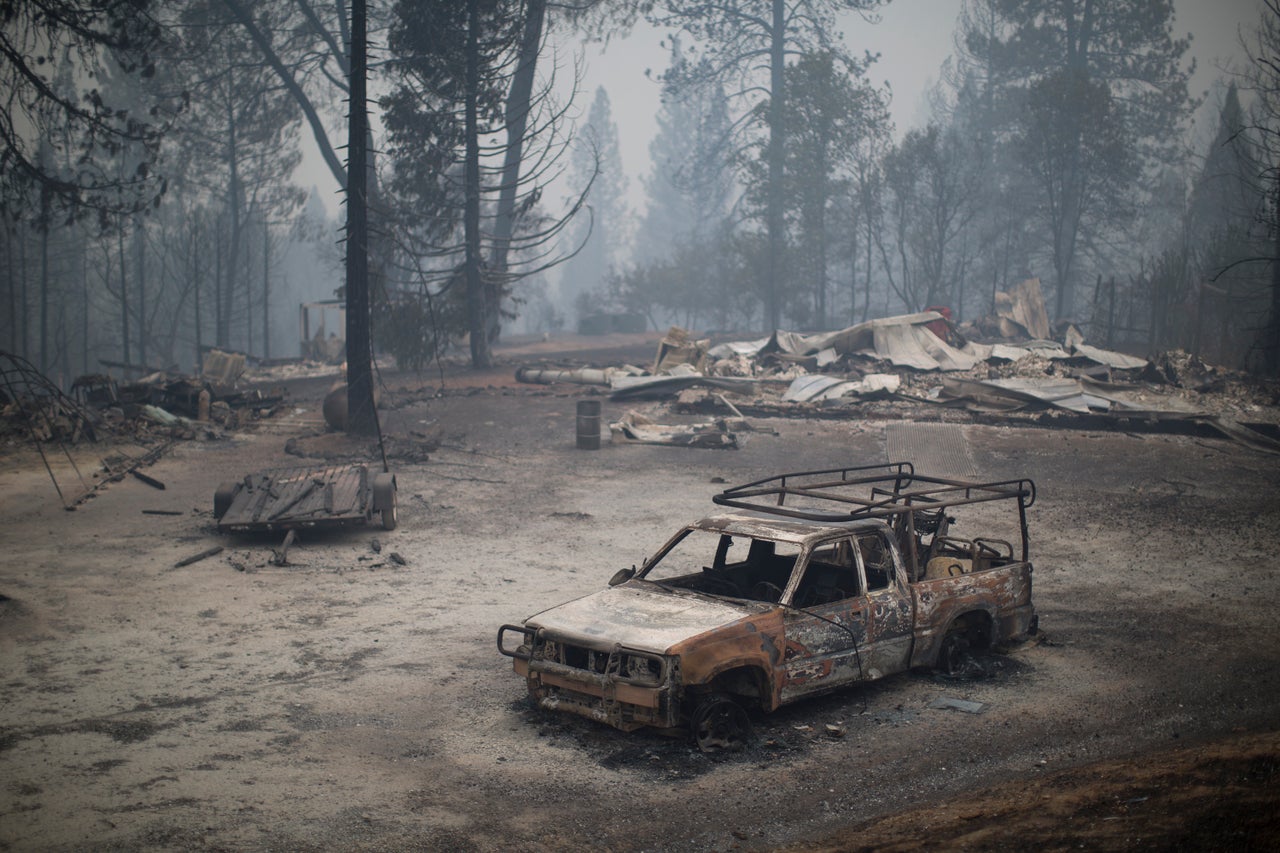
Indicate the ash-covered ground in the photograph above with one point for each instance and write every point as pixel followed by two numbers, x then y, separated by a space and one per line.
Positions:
pixel 348 701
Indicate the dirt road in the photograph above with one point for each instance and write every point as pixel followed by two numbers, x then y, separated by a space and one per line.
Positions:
pixel 346 701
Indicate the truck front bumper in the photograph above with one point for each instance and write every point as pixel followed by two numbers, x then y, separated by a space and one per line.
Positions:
pixel 623 687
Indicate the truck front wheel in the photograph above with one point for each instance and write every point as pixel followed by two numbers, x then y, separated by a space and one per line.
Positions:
pixel 720 723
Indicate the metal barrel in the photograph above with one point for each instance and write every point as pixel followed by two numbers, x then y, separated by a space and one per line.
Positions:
pixel 588 424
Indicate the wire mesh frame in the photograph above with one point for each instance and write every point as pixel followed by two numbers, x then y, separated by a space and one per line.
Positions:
pixel 26 387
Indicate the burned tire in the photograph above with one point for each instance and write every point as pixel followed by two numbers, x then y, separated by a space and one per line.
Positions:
pixel 720 723
pixel 223 497
pixel 384 499
pixel 953 655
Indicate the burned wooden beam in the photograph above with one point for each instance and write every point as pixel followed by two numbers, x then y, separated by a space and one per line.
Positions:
pixel 150 481
pixel 281 557
pixel 195 558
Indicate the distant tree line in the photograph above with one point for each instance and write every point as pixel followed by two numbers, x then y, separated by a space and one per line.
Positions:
pixel 150 155
pixel 149 204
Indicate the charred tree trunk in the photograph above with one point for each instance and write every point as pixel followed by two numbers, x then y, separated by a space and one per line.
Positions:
pixel 84 309
pixel 776 165
pixel 233 219
pixel 820 225
pixel 517 114
pixel 124 298
pixel 140 240
pixel 866 292
pixel 44 281
pixel 24 322
pixel 266 289
pixel 12 281
pixel 218 281
pixel 361 417
pixel 481 356
pixel 196 279
pixel 1271 335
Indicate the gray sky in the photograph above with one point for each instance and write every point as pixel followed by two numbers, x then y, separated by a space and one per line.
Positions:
pixel 913 37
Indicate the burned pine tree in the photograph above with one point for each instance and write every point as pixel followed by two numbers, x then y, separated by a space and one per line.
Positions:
pixel 737 45
pixel 472 142
pixel 1262 132
pixel 240 146
pixel 362 418
pixel 87 130
pixel 1091 97
pixel 64 134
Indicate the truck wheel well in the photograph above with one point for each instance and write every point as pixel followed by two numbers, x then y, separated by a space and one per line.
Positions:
pixel 747 683
pixel 976 625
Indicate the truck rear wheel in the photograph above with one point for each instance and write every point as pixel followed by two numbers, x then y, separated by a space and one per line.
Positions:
pixel 953 655
pixel 720 723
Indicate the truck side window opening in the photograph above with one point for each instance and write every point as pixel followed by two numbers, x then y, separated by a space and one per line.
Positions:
pixel 876 560
pixel 832 575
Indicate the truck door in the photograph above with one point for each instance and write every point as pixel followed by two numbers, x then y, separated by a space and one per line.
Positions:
pixel 889 618
pixel 826 626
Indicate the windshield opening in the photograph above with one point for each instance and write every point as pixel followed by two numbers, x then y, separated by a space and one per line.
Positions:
pixel 726 565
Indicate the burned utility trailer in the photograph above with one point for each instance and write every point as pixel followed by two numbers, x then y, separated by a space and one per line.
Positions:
pixel 306 496
pixel 807 582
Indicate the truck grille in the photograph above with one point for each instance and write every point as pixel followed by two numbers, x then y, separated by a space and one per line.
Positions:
pixel 636 667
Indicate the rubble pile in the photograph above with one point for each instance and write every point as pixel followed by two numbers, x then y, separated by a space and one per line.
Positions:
pixel 162 405
pixel 894 365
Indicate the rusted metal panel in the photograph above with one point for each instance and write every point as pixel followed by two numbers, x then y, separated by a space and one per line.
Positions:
pixel 1002 594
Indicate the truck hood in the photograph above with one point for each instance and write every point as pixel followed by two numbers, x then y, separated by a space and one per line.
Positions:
pixel 639 616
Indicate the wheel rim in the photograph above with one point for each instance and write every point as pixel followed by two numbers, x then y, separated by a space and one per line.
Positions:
pixel 721 724
pixel 954 658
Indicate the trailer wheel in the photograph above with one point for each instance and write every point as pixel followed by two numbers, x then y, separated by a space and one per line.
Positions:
pixel 222 498
pixel 720 723
pixel 384 499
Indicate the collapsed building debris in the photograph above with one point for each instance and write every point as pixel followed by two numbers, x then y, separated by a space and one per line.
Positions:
pixel 31 404
pixel 679 348
pixel 162 406
pixel 222 368
pixel 1020 312
pixel 678 378
pixel 578 376
pixel 635 428
pixel 922 358
pixel 817 386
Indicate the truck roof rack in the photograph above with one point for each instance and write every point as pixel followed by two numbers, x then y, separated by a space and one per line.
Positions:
pixel 867 491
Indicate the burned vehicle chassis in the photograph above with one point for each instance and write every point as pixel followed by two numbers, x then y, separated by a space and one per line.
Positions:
pixel 847 575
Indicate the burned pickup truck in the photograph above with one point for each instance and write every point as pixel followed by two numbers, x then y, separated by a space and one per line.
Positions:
pixel 808 582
